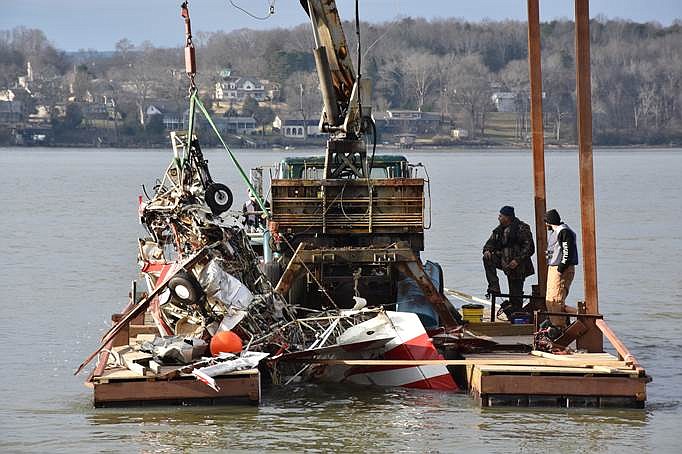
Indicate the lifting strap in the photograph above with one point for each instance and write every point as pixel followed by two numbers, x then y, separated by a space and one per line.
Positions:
pixel 195 101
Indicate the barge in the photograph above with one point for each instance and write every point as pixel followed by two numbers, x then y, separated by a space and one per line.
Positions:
pixel 332 285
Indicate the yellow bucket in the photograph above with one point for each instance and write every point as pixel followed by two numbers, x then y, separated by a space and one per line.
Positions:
pixel 472 313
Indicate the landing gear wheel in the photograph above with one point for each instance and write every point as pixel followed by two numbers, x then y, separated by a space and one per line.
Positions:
pixel 184 288
pixel 218 197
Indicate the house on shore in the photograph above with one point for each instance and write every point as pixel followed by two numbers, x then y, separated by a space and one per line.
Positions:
pixel 236 125
pixel 237 89
pixel 408 122
pixel 296 128
pixel 11 112
pixel 504 101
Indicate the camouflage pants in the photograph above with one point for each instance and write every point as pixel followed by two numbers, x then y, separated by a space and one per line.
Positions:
pixel 514 283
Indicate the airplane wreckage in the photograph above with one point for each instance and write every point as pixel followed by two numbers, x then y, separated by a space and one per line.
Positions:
pixel 324 282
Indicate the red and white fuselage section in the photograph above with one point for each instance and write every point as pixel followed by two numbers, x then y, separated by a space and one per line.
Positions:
pixel 408 341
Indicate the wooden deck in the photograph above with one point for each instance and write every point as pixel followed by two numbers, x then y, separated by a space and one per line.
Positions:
pixel 507 375
pixel 120 386
pixel 548 380
pixel 586 380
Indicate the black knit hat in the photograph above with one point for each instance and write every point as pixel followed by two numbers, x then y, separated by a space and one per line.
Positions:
pixel 552 217
pixel 507 211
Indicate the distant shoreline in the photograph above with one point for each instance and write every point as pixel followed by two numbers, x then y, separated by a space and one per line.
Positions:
pixel 418 148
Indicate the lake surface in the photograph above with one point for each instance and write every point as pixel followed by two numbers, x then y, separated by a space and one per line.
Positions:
pixel 68 240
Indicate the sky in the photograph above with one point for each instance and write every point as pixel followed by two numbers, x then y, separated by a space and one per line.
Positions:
pixel 98 24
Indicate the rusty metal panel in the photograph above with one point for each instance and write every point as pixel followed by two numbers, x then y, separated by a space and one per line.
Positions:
pixel 348 206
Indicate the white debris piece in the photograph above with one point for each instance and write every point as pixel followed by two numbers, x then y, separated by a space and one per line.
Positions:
pixel 221 286
pixel 230 320
pixel 247 360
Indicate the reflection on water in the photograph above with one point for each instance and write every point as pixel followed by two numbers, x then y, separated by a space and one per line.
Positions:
pixel 292 417
pixel 334 418
pixel 71 256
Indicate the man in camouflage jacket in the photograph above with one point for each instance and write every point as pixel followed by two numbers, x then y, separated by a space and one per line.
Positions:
pixel 509 249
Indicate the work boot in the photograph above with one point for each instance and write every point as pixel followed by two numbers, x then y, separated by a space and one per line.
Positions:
pixel 507 309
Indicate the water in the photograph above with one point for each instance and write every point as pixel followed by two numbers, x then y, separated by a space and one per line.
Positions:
pixel 68 235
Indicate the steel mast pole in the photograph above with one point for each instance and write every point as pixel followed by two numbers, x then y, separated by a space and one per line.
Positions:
pixel 593 340
pixel 538 142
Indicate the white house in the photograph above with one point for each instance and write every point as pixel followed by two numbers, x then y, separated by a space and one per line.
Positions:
pixel 504 101
pixel 7 95
pixel 239 88
pixel 294 128
pixel 460 133
pixel 173 119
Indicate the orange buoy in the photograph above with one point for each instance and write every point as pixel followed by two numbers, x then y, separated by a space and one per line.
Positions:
pixel 225 342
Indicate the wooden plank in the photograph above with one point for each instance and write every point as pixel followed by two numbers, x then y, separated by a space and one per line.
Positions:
pixel 142 338
pixel 137 356
pixel 136 361
pixel 529 362
pixel 119 373
pixel 574 355
pixel 575 329
pixel 591 358
pixel 475 379
pixel 155 367
pixel 247 386
pixel 123 374
pixel 558 360
pixel 528 369
pixel 507 340
pixel 136 330
pixel 560 386
pixel 619 346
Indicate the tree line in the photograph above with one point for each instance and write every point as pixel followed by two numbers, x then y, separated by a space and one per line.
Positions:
pixel 449 66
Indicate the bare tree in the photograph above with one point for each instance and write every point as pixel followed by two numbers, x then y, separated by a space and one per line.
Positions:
pixel 470 87
pixel 559 86
pixel 420 73
pixel 515 77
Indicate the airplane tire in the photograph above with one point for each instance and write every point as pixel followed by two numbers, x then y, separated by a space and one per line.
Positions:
pixel 184 288
pixel 218 197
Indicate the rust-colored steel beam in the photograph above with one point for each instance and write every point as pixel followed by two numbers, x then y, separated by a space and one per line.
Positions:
pixel 141 306
pixel 538 134
pixel 622 350
pixel 593 340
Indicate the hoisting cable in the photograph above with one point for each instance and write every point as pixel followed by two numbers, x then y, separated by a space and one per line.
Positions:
pixel 253 191
pixel 357 33
pixel 190 68
pixel 271 10
pixel 194 101
pixel 362 118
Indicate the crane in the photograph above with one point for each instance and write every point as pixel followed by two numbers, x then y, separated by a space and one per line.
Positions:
pixel 346 114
